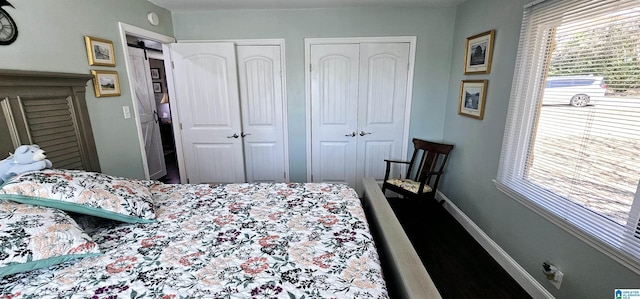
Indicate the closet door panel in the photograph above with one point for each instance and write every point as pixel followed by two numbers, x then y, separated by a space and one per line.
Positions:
pixel 374 152
pixel 358 106
pixel 334 102
pixel 209 111
pixel 381 106
pixel 261 102
pixel 261 162
pixel 335 158
pixel 217 167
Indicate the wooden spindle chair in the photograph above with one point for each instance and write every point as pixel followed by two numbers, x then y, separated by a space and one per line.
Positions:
pixel 423 172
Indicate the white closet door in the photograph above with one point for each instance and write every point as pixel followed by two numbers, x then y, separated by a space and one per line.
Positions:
pixel 381 106
pixel 146 105
pixel 259 71
pixel 334 109
pixel 209 111
pixel 358 108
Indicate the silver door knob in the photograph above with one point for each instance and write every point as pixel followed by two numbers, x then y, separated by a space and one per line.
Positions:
pixel 352 134
pixel 362 133
pixel 235 135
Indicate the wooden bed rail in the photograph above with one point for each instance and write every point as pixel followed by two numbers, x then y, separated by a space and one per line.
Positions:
pixel 405 274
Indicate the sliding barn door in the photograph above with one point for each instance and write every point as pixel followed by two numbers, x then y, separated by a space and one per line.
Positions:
pixel 146 105
pixel 358 106
pixel 209 111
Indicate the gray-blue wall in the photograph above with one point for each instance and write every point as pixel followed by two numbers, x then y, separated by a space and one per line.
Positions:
pixel 51 38
pixel 524 235
pixel 432 26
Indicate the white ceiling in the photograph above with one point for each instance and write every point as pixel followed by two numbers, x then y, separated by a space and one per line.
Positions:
pixel 195 5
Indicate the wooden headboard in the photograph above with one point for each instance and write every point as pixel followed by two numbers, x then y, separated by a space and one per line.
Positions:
pixel 47 109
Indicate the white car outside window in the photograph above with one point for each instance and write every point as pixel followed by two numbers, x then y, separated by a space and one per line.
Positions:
pixel 578 91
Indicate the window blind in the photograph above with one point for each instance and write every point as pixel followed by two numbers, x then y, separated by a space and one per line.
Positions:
pixel 571 148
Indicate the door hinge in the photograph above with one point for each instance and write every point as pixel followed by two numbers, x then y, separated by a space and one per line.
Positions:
pixel 285 175
pixel 173 66
pixel 312 178
pixel 180 126
pixel 309 67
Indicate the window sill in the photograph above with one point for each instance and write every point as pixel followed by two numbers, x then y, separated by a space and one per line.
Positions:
pixel 626 260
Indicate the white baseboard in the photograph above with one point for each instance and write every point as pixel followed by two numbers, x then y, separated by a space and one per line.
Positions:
pixel 528 283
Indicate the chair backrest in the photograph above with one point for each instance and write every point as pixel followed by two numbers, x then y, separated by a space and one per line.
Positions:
pixel 427 161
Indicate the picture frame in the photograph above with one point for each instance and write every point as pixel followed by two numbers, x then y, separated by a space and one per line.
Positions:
pixel 479 53
pixel 155 73
pixel 473 98
pixel 157 87
pixel 106 83
pixel 100 51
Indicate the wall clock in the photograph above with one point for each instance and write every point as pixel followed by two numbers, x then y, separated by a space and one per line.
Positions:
pixel 8 27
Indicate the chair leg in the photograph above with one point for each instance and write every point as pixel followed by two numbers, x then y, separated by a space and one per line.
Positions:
pixel 432 196
pixel 384 188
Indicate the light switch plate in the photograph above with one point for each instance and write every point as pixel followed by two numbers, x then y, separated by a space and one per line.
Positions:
pixel 126 111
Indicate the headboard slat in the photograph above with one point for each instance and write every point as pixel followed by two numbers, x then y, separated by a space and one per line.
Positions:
pixel 48 108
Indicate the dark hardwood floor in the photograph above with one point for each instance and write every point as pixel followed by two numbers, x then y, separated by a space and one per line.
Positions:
pixel 457 264
pixel 173 174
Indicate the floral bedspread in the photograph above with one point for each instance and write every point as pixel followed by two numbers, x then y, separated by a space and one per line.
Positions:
pixel 306 240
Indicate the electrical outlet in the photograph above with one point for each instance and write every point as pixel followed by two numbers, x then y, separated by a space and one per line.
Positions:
pixel 557 279
pixel 126 111
pixel 554 275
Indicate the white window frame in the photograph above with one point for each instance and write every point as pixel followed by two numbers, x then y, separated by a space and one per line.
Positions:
pixel 528 83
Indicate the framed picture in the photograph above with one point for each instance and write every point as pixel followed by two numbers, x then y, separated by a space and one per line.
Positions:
pixel 155 73
pixel 100 51
pixel 472 98
pixel 106 83
pixel 157 87
pixel 479 53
